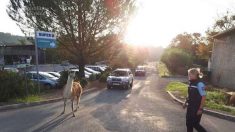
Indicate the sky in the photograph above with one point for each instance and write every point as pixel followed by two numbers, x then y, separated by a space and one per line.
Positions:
pixel 156 22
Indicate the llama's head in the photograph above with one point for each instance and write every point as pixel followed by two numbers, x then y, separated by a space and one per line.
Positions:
pixel 72 74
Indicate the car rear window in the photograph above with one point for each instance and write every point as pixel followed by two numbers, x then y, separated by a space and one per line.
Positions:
pixel 120 73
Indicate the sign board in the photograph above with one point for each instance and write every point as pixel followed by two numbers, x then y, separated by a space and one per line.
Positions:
pixel 45 39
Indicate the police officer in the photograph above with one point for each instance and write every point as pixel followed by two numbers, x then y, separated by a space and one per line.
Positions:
pixel 196 99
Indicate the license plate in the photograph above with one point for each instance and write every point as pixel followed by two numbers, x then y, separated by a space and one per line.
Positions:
pixel 116 84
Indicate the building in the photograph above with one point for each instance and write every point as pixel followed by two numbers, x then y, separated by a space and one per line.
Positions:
pixel 18 54
pixel 223 59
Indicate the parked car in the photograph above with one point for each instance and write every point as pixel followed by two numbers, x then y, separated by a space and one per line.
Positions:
pixel 87 74
pixel 96 68
pixel 120 78
pixel 140 71
pixel 56 74
pixel 11 69
pixel 103 66
pixel 91 71
pixel 45 78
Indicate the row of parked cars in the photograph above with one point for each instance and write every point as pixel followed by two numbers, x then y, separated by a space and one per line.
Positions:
pixel 51 79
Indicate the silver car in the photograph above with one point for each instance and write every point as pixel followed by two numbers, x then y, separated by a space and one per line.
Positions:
pixel 120 78
pixel 45 78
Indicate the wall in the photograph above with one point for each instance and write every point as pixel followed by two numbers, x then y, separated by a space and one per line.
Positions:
pixel 223 62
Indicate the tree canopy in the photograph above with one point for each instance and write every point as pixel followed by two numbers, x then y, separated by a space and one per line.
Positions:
pixel 80 25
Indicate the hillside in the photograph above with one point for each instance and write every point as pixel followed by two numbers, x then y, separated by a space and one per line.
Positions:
pixel 9 39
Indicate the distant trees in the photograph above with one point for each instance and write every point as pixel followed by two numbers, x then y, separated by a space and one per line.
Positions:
pixel 130 56
pixel 194 46
pixel 9 39
pixel 177 60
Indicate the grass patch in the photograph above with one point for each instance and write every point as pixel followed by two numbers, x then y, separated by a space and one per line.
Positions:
pixel 215 99
pixel 29 99
pixel 162 69
pixel 178 86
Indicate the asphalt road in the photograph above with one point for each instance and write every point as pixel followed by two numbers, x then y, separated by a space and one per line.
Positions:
pixel 145 108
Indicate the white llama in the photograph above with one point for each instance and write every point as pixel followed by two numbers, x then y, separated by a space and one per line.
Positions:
pixel 71 91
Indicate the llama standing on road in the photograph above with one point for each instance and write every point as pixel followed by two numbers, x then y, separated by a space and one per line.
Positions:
pixel 71 91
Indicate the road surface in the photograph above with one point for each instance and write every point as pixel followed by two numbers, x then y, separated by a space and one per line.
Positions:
pixel 145 108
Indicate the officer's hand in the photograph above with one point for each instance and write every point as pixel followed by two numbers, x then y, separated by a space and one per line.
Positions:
pixel 184 105
pixel 199 112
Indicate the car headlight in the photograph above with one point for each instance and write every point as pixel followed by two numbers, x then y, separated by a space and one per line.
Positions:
pixel 125 80
pixel 109 79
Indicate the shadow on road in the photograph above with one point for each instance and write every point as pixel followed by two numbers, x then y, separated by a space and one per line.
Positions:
pixel 58 120
pixel 112 96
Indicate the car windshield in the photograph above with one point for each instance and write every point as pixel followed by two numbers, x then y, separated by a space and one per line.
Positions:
pixel 120 73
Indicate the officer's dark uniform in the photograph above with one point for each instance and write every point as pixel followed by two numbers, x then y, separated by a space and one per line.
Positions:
pixel 194 101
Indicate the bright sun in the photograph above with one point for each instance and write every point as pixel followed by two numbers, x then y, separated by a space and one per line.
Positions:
pixel 157 22
pixel 148 26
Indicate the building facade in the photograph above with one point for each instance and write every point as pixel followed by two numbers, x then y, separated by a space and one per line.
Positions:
pixel 223 60
pixel 18 54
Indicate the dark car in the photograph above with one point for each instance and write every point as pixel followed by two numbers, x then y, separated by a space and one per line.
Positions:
pixel 140 71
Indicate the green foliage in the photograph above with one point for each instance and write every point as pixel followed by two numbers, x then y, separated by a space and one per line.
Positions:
pixel 92 77
pixel 215 99
pixel 178 86
pixel 63 79
pixel 28 99
pixel 162 69
pixel 177 60
pixel 9 39
pixel 104 77
pixel 13 85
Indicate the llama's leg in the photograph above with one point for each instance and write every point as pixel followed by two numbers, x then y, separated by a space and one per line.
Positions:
pixel 64 105
pixel 72 107
pixel 78 99
pixel 77 104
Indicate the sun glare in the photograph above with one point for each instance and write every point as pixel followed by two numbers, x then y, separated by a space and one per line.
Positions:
pixel 157 22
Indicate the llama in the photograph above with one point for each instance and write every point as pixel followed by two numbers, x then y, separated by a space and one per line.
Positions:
pixel 71 91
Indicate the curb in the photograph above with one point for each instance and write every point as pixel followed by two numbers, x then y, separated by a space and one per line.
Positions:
pixel 207 111
pixel 23 105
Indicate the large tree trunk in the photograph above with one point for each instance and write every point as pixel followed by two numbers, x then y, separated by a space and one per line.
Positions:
pixel 81 70
pixel 82 66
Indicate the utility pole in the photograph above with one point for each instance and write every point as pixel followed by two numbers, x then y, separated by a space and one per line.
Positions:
pixel 36 55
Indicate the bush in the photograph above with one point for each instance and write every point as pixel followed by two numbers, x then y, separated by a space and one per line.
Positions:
pixel 92 77
pixel 104 77
pixel 177 60
pixel 13 86
pixel 63 79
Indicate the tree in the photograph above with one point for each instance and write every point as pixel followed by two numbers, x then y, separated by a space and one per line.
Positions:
pixel 182 41
pixel 227 21
pixel 177 60
pixel 79 24
pixel 223 23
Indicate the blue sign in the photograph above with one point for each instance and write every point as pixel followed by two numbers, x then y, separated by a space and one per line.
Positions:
pixel 45 39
